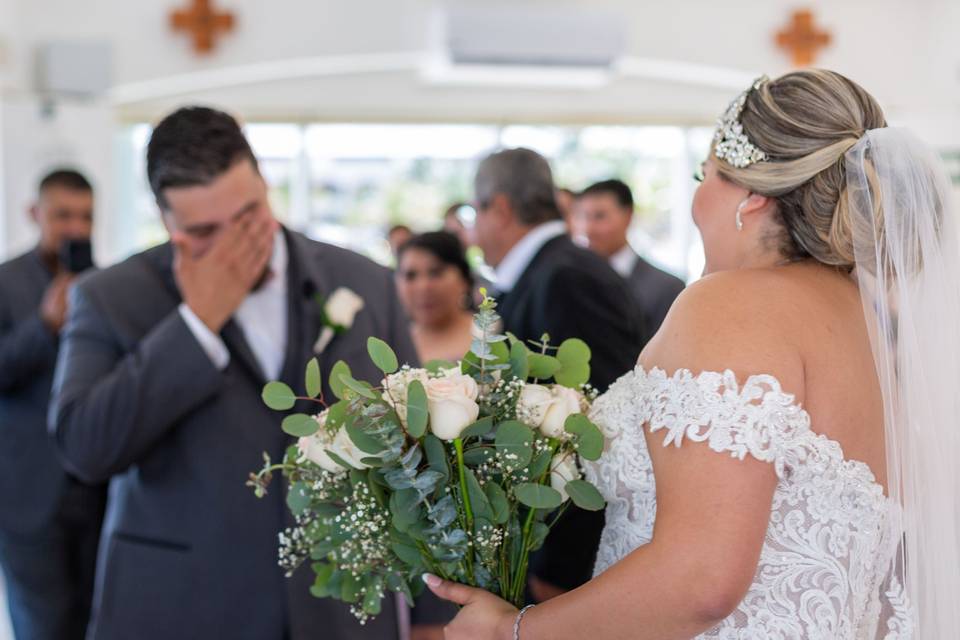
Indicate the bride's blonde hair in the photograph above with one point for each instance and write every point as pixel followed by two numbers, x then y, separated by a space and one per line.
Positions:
pixel 805 121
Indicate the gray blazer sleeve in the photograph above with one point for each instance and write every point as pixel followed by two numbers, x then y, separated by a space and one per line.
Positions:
pixel 110 406
pixel 27 348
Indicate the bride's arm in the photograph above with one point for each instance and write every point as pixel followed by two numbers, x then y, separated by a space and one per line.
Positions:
pixel 712 510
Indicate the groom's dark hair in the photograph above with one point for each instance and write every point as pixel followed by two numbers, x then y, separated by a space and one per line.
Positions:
pixel 193 146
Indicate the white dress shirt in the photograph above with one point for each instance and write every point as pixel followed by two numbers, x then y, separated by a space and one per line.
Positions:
pixel 262 317
pixel 624 261
pixel 522 254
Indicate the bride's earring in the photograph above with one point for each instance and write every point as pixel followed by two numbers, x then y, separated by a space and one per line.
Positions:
pixel 739 215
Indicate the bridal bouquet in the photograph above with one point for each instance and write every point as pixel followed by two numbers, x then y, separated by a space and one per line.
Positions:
pixel 456 469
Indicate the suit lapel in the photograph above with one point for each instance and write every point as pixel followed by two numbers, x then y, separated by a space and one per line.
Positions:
pixel 308 283
pixel 513 297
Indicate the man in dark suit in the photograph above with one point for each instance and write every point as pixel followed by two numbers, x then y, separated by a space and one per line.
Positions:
pixel 605 211
pixel 49 522
pixel 158 386
pixel 546 284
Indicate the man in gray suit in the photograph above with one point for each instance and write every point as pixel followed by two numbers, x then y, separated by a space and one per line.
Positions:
pixel 49 522
pixel 158 386
pixel 605 211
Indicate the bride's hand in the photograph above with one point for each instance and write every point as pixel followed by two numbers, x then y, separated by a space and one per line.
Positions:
pixel 484 616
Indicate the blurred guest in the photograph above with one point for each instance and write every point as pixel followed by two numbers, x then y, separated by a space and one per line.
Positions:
pixel 605 210
pixel 49 522
pixel 435 286
pixel 546 284
pixel 458 219
pixel 397 235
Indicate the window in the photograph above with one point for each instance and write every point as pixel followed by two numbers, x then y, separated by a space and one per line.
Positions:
pixel 346 183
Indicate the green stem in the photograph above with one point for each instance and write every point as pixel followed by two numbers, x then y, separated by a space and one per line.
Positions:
pixel 520 579
pixel 465 498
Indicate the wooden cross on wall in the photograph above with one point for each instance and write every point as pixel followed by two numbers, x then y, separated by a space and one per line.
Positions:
pixel 802 39
pixel 203 23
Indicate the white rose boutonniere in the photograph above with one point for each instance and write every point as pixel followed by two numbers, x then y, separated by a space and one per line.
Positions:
pixel 339 312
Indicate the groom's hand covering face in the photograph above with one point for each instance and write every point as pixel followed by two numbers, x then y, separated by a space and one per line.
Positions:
pixel 223 235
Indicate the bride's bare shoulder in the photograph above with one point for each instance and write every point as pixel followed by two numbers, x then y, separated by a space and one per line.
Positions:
pixel 738 320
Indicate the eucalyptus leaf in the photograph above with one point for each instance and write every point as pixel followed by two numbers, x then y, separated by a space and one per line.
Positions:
pixel 278 396
pixel 300 425
pixel 514 441
pixel 407 553
pixel 358 387
pixel 322 573
pixel 540 465
pixel 573 351
pixel 538 534
pixel 573 375
pixel 313 379
pixel 417 415
pixel 479 456
pixel 298 497
pixel 427 481
pixel 363 440
pixel 479 428
pixel 589 438
pixel 585 495
pixel 520 360
pixel 350 588
pixel 372 595
pixel 340 461
pixel 537 496
pixel 337 415
pixel 542 366
pixel 405 508
pixel 499 506
pixel 436 455
pixel 382 355
pixel 478 499
pixel 340 368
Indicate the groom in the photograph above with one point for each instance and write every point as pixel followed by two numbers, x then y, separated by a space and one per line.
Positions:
pixel 158 386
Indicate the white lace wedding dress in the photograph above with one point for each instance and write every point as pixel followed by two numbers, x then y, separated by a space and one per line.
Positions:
pixel 826 566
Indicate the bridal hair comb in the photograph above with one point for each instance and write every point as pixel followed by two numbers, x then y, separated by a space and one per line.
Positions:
pixel 730 142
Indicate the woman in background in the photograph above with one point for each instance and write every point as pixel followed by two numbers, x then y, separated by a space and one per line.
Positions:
pixel 436 289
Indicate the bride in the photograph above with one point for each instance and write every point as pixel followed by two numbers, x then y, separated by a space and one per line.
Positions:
pixel 782 461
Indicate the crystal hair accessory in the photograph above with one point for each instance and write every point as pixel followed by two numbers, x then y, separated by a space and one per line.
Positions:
pixel 731 144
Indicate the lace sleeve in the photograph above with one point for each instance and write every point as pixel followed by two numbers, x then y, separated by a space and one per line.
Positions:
pixel 756 418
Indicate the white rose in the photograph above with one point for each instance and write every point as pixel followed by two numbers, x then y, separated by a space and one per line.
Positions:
pixel 342 307
pixel 347 451
pixel 566 402
pixel 451 401
pixel 395 389
pixel 314 448
pixel 563 469
pixel 533 403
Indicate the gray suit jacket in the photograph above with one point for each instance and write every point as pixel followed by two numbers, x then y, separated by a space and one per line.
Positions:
pixel 187 550
pixel 654 290
pixel 32 478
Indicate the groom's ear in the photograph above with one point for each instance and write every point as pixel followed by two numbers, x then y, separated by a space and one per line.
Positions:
pixel 502 208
